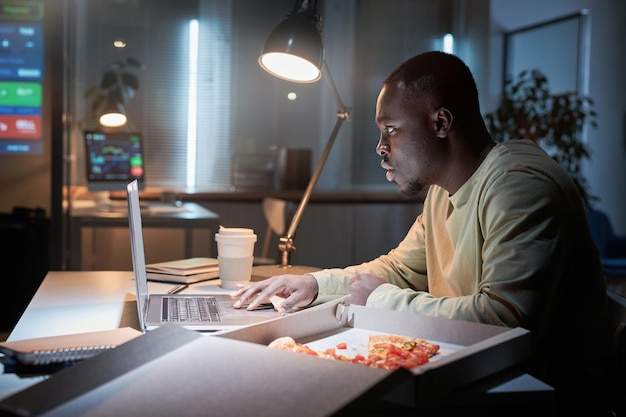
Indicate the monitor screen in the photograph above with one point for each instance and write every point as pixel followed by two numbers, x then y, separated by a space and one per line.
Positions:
pixel 22 54
pixel 114 160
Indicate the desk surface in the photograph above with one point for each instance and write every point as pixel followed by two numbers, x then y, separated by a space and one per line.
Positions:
pixel 189 217
pixel 83 301
pixel 119 210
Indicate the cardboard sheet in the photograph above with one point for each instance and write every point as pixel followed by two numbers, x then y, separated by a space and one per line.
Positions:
pixel 176 372
pixel 471 351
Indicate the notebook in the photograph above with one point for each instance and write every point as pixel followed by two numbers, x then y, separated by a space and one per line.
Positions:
pixel 206 312
pixel 184 271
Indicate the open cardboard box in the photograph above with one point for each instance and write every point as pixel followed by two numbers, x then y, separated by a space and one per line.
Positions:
pixel 172 371
pixel 469 351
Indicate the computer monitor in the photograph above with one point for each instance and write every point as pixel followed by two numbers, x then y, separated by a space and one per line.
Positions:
pixel 114 160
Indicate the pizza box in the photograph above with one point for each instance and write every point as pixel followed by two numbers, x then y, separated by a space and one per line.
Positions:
pixel 469 351
pixel 174 371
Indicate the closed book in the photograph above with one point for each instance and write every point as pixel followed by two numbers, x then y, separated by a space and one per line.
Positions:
pixel 65 348
pixel 183 279
pixel 189 266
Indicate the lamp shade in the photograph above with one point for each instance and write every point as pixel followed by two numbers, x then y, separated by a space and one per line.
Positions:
pixel 294 49
pixel 114 113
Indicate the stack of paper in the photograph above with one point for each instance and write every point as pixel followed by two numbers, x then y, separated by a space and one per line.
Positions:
pixel 186 271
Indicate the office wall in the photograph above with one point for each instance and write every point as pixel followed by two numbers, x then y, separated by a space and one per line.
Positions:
pixel 606 171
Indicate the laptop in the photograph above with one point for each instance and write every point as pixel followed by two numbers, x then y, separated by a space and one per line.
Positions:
pixel 205 312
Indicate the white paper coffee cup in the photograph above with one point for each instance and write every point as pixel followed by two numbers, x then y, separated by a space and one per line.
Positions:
pixel 235 271
pixel 235 255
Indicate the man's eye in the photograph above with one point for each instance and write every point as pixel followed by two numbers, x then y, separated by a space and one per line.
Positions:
pixel 390 129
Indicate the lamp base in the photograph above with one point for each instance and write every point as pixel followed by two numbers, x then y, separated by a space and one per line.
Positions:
pixel 261 272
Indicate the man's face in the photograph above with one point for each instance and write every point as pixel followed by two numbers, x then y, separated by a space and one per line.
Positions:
pixel 408 142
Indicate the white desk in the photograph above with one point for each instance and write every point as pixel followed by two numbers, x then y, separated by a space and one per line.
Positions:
pixel 99 239
pixel 82 301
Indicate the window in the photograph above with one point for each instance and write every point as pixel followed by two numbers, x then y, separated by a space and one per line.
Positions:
pixel 241 110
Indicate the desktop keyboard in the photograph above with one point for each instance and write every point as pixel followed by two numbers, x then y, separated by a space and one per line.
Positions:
pixel 189 309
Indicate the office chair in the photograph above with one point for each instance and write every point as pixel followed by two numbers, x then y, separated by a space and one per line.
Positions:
pixel 612 247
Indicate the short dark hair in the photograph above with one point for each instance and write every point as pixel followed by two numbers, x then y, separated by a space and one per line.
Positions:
pixel 443 77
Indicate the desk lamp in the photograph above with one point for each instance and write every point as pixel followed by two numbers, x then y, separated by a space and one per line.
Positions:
pixel 294 52
pixel 114 113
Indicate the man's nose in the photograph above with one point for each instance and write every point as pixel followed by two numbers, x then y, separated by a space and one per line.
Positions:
pixel 382 148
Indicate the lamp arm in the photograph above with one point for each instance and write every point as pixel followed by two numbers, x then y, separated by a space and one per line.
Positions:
pixel 343 113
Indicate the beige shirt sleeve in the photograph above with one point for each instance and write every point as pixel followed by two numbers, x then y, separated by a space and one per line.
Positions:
pixel 404 266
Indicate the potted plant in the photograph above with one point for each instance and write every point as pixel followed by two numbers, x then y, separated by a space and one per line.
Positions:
pixel 529 110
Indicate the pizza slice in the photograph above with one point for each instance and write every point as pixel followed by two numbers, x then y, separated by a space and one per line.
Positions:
pixel 393 351
pixel 384 351
pixel 382 344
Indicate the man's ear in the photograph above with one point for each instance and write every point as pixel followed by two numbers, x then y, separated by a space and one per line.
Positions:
pixel 443 123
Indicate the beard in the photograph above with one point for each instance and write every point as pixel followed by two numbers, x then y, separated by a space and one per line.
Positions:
pixel 413 189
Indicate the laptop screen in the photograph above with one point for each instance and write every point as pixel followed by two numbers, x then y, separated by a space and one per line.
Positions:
pixel 114 160
pixel 137 251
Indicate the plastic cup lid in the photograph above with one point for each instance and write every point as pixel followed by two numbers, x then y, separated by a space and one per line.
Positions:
pixel 235 231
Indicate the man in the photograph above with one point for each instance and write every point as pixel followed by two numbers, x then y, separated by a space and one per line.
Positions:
pixel 502 238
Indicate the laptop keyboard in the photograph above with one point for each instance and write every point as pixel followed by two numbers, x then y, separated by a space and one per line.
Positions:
pixel 189 309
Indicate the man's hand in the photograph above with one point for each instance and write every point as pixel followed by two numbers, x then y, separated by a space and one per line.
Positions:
pixel 298 291
pixel 362 286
